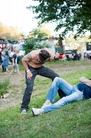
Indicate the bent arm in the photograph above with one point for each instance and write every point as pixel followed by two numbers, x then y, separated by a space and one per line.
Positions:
pixel 84 80
pixel 25 60
pixel 13 61
pixel 52 58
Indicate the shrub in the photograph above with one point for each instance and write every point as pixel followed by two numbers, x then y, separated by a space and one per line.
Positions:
pixel 3 87
pixel 35 43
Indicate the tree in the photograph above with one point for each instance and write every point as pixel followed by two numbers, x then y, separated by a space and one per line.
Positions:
pixel 37 34
pixel 9 32
pixel 36 39
pixel 70 15
pixel 40 32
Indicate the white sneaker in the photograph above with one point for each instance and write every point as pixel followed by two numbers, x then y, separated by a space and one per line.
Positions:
pixel 23 111
pixel 36 111
pixel 45 105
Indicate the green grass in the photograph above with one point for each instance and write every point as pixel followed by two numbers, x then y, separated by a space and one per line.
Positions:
pixel 71 121
pixel 3 87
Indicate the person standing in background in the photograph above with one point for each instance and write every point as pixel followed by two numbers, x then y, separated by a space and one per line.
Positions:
pixel 15 62
pixel 0 58
pixel 5 59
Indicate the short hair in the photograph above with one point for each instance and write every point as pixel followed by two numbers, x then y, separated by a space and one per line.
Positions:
pixel 43 55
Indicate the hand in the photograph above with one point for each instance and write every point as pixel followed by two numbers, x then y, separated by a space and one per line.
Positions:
pixel 29 75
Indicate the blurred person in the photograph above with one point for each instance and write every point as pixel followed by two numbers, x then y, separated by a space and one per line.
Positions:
pixel 73 93
pixel 5 61
pixel 0 58
pixel 15 62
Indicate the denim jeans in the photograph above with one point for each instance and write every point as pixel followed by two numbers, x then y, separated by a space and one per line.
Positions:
pixel 43 71
pixel 72 94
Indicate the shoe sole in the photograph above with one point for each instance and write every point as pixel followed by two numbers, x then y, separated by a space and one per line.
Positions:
pixel 33 112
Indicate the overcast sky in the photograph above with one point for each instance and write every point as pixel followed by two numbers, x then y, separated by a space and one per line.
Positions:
pixel 14 13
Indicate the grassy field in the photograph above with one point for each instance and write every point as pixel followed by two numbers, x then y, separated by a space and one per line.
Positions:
pixel 71 121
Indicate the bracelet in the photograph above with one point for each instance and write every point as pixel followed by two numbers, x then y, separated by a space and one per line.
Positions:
pixel 28 70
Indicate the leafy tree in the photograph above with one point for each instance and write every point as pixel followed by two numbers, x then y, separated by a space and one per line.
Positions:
pixel 69 14
pixel 37 33
pixel 10 33
pixel 36 40
pixel 28 46
pixel 34 43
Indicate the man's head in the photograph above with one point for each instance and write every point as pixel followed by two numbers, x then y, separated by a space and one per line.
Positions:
pixel 16 51
pixel 43 55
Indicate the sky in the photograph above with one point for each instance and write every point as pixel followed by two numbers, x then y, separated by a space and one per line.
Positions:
pixel 14 13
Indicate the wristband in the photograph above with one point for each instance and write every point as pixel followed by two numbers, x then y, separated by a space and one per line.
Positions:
pixel 28 70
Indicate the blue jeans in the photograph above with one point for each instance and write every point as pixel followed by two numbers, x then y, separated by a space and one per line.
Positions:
pixel 72 94
pixel 43 71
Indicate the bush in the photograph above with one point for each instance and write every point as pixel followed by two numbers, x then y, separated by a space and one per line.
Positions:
pixel 3 87
pixel 35 43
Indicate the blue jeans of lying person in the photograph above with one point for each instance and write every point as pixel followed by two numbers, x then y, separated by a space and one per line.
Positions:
pixel 42 71
pixel 72 94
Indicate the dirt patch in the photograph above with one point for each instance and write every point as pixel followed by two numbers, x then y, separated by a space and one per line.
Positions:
pixel 15 91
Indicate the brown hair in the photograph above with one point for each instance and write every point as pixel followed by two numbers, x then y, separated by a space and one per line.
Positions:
pixel 43 55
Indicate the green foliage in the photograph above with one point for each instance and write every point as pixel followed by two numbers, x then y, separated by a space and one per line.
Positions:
pixel 34 40
pixel 10 33
pixel 34 43
pixel 37 33
pixel 28 46
pixel 3 87
pixel 69 15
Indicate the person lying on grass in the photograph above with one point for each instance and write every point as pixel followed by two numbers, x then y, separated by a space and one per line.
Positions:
pixel 73 93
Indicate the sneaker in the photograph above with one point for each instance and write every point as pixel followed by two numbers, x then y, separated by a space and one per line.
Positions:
pixel 23 111
pixel 45 105
pixel 36 111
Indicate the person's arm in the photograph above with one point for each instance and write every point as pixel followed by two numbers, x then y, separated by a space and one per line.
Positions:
pixel 85 81
pixel 55 57
pixel 12 61
pixel 25 60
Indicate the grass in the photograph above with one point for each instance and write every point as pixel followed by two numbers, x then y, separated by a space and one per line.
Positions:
pixel 3 87
pixel 71 121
